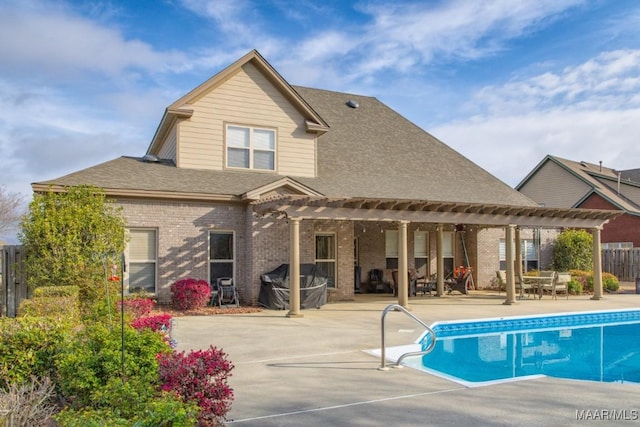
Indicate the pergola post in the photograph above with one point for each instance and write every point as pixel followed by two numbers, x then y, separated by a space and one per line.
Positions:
pixel 403 270
pixel 294 268
pixel 511 283
pixel 597 264
pixel 518 249
pixel 439 261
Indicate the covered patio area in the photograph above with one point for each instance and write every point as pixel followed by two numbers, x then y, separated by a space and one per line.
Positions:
pixel 401 213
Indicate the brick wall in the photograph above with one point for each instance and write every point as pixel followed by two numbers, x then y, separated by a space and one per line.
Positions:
pixel 625 228
pixel 183 230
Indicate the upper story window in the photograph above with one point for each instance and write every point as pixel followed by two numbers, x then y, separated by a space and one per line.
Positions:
pixel 251 148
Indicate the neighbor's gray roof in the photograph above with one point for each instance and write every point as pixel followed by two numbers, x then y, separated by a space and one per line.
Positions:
pixel 369 151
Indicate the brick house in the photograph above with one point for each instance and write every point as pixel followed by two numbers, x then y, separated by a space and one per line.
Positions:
pixel 562 183
pixel 247 172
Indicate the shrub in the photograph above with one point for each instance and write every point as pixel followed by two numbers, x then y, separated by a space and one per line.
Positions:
pixel 201 377
pixel 574 287
pixel 56 291
pixel 167 409
pixel 610 282
pixel 573 249
pixel 91 372
pixel 55 307
pixel 138 307
pixel 27 347
pixel 157 323
pixel 31 403
pixel 189 294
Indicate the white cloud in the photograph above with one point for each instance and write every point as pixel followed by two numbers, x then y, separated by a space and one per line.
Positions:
pixel 56 41
pixel 589 112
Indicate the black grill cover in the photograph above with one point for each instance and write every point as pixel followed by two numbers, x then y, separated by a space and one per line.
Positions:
pixel 274 291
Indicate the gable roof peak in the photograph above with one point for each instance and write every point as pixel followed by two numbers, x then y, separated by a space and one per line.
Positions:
pixel 181 108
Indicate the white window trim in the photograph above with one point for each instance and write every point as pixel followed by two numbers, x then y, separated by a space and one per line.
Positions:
pixel 129 261
pixel 222 261
pixel 251 148
pixel 328 260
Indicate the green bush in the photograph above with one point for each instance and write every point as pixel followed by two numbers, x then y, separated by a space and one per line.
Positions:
pixel 91 373
pixel 56 307
pixel 610 282
pixel 28 346
pixel 574 287
pixel 573 249
pixel 166 410
pixel 56 291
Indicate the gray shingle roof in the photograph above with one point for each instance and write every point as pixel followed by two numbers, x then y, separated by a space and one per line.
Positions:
pixel 369 151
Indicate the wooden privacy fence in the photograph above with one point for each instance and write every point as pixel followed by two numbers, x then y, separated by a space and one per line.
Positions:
pixel 14 285
pixel 623 263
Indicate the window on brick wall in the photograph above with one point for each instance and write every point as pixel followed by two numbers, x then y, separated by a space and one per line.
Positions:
pixel 448 245
pixel 326 256
pixel 391 248
pixel 421 252
pixel 142 255
pixel 221 255
pixel 529 251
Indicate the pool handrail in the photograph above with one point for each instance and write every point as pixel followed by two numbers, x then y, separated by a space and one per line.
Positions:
pixel 398 307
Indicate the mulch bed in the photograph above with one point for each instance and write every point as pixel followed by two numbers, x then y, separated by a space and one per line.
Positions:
pixel 205 311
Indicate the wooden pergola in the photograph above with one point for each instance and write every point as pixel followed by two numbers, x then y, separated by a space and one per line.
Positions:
pixel 297 208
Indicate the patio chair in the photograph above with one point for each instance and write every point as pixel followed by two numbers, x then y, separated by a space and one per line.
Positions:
pixel 227 292
pixel 376 282
pixel 522 286
pixel 561 284
pixel 549 285
pixel 411 284
pixel 460 284
pixel 501 279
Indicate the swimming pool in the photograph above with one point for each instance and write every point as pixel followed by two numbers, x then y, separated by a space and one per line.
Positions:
pixel 595 346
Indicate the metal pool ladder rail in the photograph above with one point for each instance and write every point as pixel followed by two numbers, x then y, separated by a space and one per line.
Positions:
pixel 397 307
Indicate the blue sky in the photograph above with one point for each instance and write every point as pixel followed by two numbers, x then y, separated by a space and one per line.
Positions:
pixel 503 82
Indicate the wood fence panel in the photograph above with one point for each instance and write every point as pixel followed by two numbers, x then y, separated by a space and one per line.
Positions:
pixel 14 285
pixel 623 263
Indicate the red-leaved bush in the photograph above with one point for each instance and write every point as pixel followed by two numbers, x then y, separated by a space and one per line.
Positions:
pixel 189 294
pixel 200 377
pixel 138 307
pixel 158 322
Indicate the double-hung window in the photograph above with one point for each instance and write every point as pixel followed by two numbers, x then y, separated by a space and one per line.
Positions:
pixel 326 256
pixel 528 251
pixel 251 148
pixel 421 251
pixel 221 255
pixel 143 258
pixel 391 248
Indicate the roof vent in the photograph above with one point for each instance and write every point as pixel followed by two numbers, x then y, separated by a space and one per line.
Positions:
pixel 150 158
pixel 584 164
pixel 353 103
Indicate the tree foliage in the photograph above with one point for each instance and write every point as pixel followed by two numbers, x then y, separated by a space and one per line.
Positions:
pixel 11 209
pixel 72 238
pixel 573 250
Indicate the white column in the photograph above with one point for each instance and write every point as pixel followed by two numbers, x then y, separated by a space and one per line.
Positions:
pixel 294 268
pixel 509 252
pixel 439 261
pixel 597 264
pixel 403 268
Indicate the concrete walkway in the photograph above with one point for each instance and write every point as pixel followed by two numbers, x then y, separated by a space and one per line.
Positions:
pixel 314 371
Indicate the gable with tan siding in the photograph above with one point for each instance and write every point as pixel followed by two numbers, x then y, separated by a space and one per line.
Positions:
pixel 246 98
pixel 555 187
pixel 168 149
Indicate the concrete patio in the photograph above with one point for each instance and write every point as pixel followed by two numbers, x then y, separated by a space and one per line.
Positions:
pixel 313 371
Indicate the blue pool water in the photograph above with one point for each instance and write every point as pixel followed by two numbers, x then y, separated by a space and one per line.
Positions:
pixel 596 346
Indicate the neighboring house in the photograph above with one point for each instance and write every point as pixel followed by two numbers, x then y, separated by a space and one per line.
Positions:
pixel 561 183
pixel 247 172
